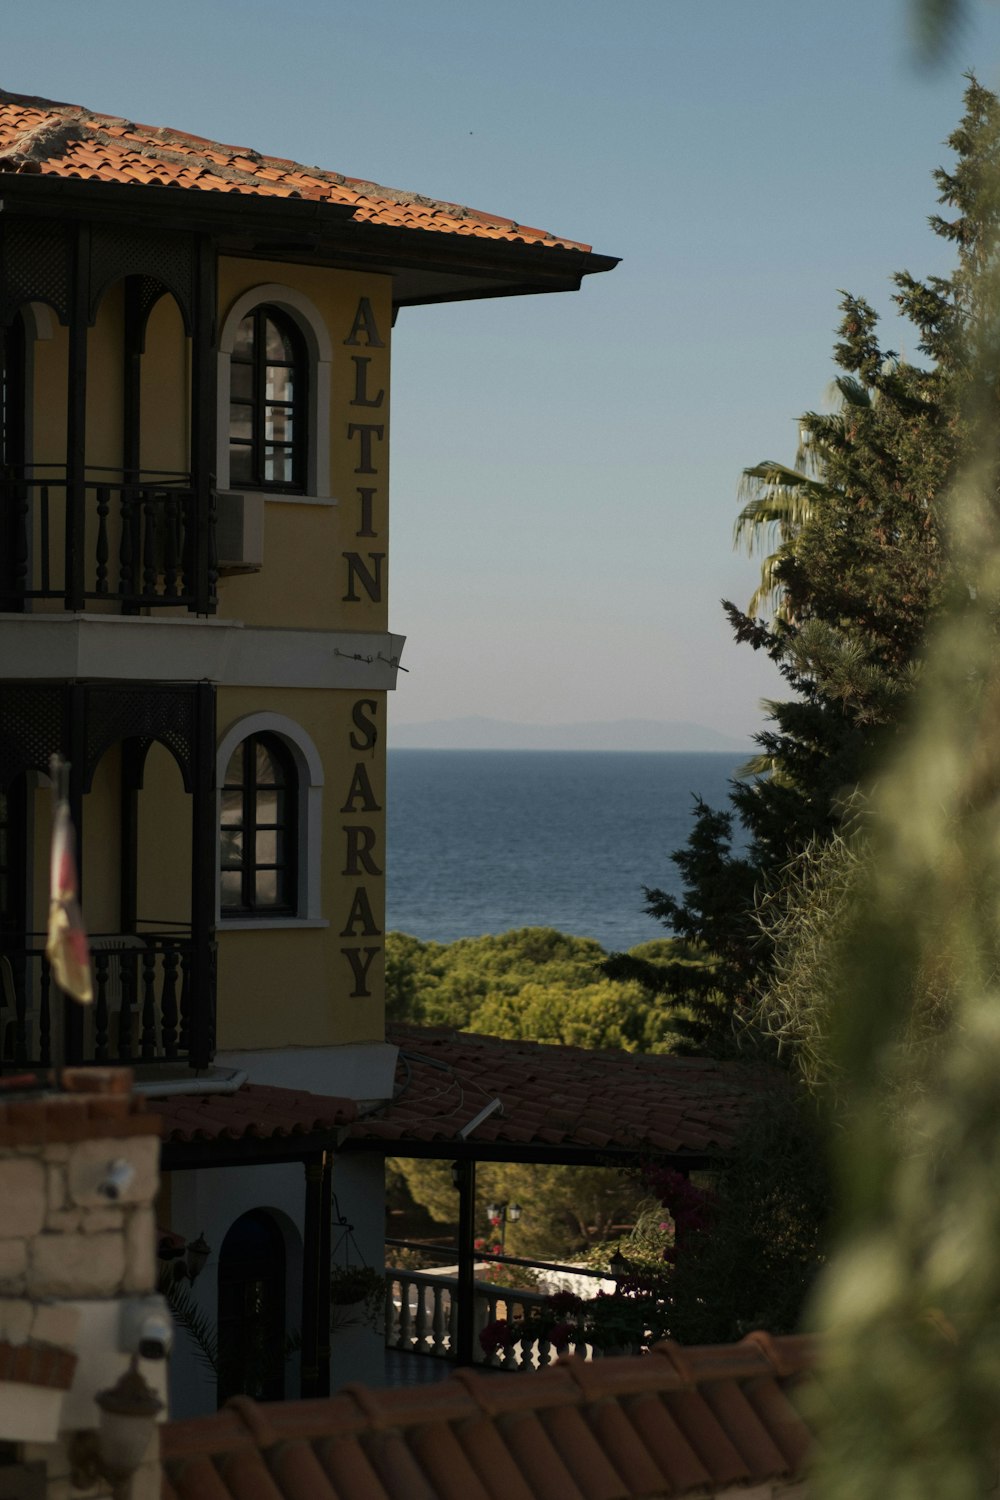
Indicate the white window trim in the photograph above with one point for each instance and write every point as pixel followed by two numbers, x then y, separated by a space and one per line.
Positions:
pixel 319 347
pixel 309 770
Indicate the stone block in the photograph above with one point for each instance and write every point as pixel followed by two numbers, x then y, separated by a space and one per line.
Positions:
pixel 13 1265
pixel 100 1220
pixel 55 1323
pixel 22 1194
pixel 140 1251
pixel 15 1319
pixel 62 1265
pixel 66 1221
pixel 55 1187
pixel 89 1162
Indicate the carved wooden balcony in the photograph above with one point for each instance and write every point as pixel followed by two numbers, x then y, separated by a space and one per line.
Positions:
pixel 141 542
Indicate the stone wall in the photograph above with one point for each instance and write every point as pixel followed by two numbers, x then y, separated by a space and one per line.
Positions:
pixel 78 1177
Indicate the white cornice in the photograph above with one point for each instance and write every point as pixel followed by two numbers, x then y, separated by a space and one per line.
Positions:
pixel 226 652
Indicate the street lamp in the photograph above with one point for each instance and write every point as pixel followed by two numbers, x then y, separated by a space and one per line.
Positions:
pixel 499 1214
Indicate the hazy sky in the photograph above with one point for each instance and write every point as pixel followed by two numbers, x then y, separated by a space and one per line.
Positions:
pixel 565 468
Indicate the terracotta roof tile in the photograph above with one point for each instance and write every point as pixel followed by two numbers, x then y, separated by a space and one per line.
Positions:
pixel 37 1364
pixel 675 1422
pixel 50 139
pixel 592 1472
pixel 740 1421
pixel 349 1467
pixel 709 1439
pixel 492 1460
pixel 257 1111
pixel 560 1096
pixel 666 1443
pixel 37 1118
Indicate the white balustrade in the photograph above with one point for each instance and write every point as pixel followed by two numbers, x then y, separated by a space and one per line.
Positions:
pixel 422 1318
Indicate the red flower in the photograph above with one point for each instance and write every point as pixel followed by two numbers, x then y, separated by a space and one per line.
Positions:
pixel 495 1336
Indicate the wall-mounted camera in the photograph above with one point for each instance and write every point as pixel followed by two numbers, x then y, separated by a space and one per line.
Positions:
pixel 146 1328
pixel 117 1179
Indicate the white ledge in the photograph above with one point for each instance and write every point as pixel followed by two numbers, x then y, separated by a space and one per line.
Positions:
pixel 270 499
pixel 192 649
pixel 266 924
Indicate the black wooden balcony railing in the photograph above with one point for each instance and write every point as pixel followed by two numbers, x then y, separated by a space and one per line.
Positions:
pixel 141 542
pixel 152 1002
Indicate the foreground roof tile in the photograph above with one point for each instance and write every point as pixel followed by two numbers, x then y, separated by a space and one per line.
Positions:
pixel 51 139
pixel 677 1422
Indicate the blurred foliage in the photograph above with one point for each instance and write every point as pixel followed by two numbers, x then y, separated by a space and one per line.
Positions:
pixel 854 936
pixel 911 1301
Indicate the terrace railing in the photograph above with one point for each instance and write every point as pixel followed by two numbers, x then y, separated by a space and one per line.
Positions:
pixel 421 1317
pixel 145 1010
pixel 146 541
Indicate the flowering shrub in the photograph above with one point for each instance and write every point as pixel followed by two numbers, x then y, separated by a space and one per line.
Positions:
pixel 633 1317
pixel 690 1207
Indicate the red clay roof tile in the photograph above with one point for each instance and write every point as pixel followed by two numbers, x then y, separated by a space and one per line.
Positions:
pixel 666 1443
pixel 51 139
pixel 257 1111
pixel 37 1364
pixel 299 1474
pixel 560 1096
pixel 351 1471
pixel 670 1423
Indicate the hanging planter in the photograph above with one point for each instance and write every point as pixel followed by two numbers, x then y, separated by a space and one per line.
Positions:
pixel 357 1290
pixel 357 1297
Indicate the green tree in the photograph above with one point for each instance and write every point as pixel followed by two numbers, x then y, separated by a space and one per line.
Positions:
pixel 810 920
pixel 530 984
pixel 566 1211
pixel 861 567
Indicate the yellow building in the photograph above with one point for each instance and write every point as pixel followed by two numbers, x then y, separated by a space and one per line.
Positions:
pixel 194 570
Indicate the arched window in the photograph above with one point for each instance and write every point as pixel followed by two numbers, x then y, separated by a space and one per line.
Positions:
pixel 268 372
pixel 258 830
pixel 241 819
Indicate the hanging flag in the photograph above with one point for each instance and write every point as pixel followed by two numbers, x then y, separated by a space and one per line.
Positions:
pixel 66 947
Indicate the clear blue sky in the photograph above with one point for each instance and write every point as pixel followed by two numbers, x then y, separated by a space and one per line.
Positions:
pixel 565 468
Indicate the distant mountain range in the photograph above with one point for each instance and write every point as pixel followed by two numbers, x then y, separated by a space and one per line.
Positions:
pixel 478 733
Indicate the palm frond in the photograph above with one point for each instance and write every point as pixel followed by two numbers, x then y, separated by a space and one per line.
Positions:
pixel 188 1315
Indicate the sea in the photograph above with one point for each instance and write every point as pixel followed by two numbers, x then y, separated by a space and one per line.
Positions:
pixel 481 841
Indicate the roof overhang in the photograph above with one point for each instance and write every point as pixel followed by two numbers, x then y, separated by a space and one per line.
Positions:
pixel 538 1154
pixel 426 266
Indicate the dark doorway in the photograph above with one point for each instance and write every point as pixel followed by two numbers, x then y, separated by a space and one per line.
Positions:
pixel 252 1310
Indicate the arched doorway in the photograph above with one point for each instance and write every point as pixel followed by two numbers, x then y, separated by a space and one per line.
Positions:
pixel 252 1309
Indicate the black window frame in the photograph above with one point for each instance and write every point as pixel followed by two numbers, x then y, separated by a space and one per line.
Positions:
pixel 258 402
pixel 250 825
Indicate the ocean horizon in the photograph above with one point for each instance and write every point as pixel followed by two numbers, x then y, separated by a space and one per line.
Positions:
pixel 483 841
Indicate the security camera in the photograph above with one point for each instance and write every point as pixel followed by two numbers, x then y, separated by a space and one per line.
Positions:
pixel 118 1178
pixel 146 1328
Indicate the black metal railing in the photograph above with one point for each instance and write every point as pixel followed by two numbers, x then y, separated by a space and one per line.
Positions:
pixel 151 1003
pixel 142 541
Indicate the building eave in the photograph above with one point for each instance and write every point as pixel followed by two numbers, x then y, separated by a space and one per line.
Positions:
pixel 427 266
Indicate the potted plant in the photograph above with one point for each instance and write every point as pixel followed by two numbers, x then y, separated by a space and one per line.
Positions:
pixel 357 1296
